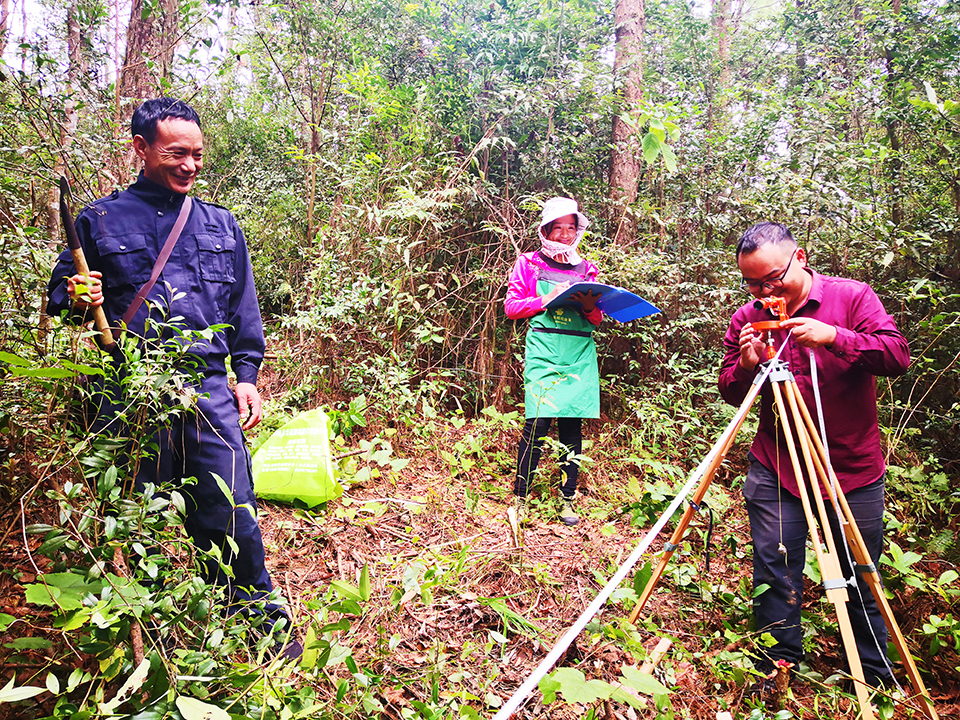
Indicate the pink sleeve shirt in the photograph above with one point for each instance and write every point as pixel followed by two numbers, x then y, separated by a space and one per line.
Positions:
pixel 522 300
pixel 868 344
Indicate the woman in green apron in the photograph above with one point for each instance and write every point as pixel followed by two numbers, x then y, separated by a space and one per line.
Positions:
pixel 560 378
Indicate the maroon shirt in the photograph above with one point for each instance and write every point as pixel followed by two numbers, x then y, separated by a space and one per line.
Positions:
pixel 868 344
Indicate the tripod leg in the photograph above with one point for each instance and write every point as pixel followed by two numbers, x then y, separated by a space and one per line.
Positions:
pixel 833 583
pixel 867 565
pixel 709 468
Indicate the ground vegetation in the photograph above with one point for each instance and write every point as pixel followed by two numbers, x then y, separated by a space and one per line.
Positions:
pixel 387 163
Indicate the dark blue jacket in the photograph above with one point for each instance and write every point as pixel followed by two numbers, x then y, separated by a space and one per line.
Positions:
pixel 209 271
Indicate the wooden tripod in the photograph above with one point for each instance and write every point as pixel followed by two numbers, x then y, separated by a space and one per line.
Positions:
pixel 819 473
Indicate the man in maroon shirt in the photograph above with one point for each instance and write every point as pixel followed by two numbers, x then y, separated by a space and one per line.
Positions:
pixel 843 323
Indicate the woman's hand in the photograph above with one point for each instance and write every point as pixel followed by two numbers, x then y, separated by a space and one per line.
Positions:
pixel 557 291
pixel 587 300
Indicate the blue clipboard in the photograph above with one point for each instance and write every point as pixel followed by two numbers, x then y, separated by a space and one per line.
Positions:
pixel 622 305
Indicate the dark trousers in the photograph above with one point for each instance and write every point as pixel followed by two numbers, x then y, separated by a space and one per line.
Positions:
pixel 201 444
pixel 777 516
pixel 531 444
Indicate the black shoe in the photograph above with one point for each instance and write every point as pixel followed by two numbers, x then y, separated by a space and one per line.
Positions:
pixel 762 688
pixel 774 685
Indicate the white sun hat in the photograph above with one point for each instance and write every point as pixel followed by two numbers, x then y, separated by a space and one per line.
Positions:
pixel 559 207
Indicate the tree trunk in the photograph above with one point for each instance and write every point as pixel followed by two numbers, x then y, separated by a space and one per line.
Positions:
pixel 895 162
pixel 68 126
pixel 723 26
pixel 151 41
pixel 76 67
pixel 5 11
pixel 630 19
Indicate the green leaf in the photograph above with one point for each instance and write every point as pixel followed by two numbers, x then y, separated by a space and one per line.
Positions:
pixel 73 619
pixel 549 687
pixel 78 676
pixel 577 689
pixel 53 684
pixel 15 694
pixel 646 684
pixel 80 368
pixel 43 372
pixel 669 158
pixel 6 621
pixel 309 658
pixel 223 488
pixel 346 590
pixel 642 577
pixel 365 582
pixel 340 625
pixel 651 148
pixel 193 709
pixel 347 607
pixel 29 643
pixel 64 590
pixel 12 359
pixel 53 544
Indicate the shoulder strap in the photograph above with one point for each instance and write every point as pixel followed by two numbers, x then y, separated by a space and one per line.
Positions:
pixel 162 258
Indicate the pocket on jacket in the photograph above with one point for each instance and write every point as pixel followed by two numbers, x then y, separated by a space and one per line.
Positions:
pixel 217 257
pixel 124 260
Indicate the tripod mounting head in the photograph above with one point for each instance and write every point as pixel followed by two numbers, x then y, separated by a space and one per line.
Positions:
pixel 777 307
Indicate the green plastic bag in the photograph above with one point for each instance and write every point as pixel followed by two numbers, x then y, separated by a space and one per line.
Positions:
pixel 294 463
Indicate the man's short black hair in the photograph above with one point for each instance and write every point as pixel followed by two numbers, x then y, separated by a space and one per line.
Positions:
pixel 146 117
pixel 765 233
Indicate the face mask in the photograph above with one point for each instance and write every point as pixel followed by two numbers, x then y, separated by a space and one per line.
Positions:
pixel 560 252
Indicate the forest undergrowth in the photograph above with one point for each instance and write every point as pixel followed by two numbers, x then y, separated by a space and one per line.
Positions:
pixel 387 163
pixel 409 592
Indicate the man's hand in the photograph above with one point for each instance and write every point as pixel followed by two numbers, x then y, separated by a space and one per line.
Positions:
pixel 85 291
pixel 557 291
pixel 810 333
pixel 249 404
pixel 752 347
pixel 587 300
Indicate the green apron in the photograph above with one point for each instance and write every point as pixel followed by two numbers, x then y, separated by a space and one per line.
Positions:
pixel 560 375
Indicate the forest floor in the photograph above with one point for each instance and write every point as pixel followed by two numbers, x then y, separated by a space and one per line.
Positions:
pixel 458 610
pixel 495 609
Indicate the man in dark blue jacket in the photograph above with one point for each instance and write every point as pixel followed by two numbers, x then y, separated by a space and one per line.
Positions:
pixel 207 281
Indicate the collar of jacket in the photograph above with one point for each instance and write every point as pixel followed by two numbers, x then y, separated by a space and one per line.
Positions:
pixel 156 195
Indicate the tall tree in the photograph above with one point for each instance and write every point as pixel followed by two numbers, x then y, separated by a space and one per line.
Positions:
pixel 630 21
pixel 4 24
pixel 723 25
pixel 152 38
pixel 891 85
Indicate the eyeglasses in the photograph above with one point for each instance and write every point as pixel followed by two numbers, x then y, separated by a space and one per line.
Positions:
pixel 772 283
